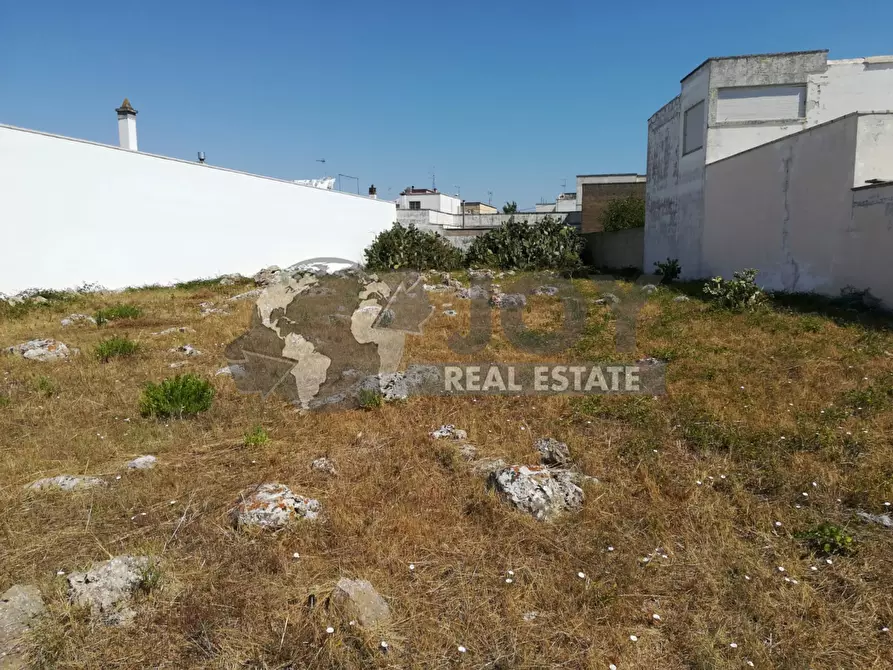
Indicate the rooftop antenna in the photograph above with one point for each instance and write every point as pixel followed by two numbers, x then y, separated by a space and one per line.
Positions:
pixel 458 191
pixel 433 180
pixel 489 197
pixel 563 185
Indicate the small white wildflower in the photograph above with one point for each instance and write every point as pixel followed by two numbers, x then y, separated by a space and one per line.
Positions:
pixel 885 630
pixel 645 559
pixel 508 580
pixel 699 482
pixel 813 568
pixel 814 485
pixel 523 428
pixel 722 476
pixel 780 569
pixel 633 638
pixel 750 664
pixel 511 573
pixel 172 502
pixel 462 649
pixel 778 524
pixel 117 477
pixel 747 577
pixel 794 581
pixel 783 437
pixel 610 548
pixel 886 504
pixel 710 478
pixel 656 617
pixel 734 645
pixel 612 667
pixel 798 506
pixel 60 572
pixel 412 567
pixel 296 555
pixel 330 630
pixel 829 561
pixel 787 579
pixel 581 575
pixel 383 645
pixel 805 494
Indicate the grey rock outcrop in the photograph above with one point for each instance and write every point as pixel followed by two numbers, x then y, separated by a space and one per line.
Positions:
pixel 44 350
pixel 77 319
pixel 186 349
pixel 507 300
pixel 175 329
pixel 473 293
pixel 649 288
pixel 142 463
pixel 546 290
pixel 448 432
pixel 552 452
pixel 272 506
pixel 324 465
pixel 20 605
pixel 108 587
pixel 543 493
pixel 66 483
pixel 357 600
pixel 681 298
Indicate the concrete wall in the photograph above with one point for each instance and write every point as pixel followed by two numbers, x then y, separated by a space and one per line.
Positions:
pixel 789 210
pixel 849 86
pixel 595 198
pixel 615 250
pixel 874 148
pixel 421 218
pixel 74 211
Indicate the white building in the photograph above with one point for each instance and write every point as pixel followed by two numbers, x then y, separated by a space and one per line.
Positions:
pixel 565 202
pixel 76 211
pixel 414 198
pixel 726 156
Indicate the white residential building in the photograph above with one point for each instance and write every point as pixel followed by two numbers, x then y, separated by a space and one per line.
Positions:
pixel 768 133
pixel 414 198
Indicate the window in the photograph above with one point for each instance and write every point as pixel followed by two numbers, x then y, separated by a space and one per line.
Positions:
pixel 415 204
pixel 760 103
pixel 693 128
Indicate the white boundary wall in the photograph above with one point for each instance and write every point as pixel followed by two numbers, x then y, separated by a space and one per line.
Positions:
pixel 73 211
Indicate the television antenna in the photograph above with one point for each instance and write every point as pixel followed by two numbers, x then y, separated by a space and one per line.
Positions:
pixel 489 197
pixel 458 191
pixel 347 176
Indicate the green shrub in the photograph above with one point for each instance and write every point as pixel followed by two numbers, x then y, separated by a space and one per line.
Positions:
pixel 739 293
pixel 369 399
pixel 46 386
pixel 256 437
pixel 115 347
pixel 408 248
pixel 870 399
pixel 510 208
pixel 668 270
pixel 624 213
pixel 828 539
pixel 515 245
pixel 116 312
pixel 177 397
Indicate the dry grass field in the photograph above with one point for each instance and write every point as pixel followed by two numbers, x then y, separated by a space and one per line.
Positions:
pixel 775 421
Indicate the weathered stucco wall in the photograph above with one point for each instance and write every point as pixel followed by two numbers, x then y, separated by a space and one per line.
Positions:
pixel 857 85
pixel 788 210
pixel 74 211
pixel 874 148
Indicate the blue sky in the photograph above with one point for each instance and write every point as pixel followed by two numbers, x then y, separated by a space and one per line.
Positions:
pixel 508 97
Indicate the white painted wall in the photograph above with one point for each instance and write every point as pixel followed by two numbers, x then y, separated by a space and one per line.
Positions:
pixel 127 132
pixel 850 86
pixel 789 210
pixel 74 211
pixel 440 202
pixel 874 148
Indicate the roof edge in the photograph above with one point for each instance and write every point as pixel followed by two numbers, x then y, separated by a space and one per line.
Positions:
pixel 766 55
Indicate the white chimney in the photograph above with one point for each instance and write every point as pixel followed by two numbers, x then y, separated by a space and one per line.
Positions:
pixel 127 126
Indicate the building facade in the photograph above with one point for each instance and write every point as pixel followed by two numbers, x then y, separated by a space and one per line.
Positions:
pixel 729 108
pixel 414 198
pixel 595 191
pixel 479 208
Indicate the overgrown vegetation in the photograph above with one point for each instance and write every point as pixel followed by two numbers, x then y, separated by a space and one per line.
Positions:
pixel 408 248
pixel 46 386
pixel 117 346
pixel 669 270
pixel 177 397
pixel 739 293
pixel 516 245
pixel 256 437
pixel 369 399
pixel 510 208
pixel 828 539
pixel 624 213
pixel 117 312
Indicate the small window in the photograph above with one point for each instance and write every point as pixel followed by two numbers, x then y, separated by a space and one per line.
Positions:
pixel 693 128
pixel 761 103
pixel 415 204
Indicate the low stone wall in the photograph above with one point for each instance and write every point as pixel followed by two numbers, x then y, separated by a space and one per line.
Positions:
pixel 618 249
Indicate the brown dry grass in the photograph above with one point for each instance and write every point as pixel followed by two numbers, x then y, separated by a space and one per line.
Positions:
pixel 232 599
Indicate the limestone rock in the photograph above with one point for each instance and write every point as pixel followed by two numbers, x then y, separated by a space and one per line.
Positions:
pixel 208 308
pixel 484 466
pixel 247 295
pixel 65 483
pixel 552 452
pixel 143 463
pixel 356 600
pixel 186 349
pixel 39 300
pixel 236 371
pixel 324 465
pixel 75 319
pixel 468 452
pixel 108 587
pixel 882 519
pixel 268 276
pixel 543 493
pixel 507 300
pixel 681 298
pixel 41 350
pixel 546 290
pixel 473 293
pixel 175 329
pixel 448 432
pixel 649 288
pixel 229 280
pixel 608 299
pixel 481 274
pixel 19 606
pixel 272 506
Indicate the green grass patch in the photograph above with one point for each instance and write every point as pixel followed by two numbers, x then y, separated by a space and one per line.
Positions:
pixel 828 539
pixel 46 386
pixel 117 312
pixel 256 437
pixel 115 347
pixel 369 399
pixel 177 397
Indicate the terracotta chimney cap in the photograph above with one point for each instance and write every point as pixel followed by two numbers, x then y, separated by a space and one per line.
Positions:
pixel 126 108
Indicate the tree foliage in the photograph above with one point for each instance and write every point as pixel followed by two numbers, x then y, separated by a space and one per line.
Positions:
pixel 624 213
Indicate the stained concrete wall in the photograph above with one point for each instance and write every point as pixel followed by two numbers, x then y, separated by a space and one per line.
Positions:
pixel 74 211
pixel 615 250
pixel 789 210
pixel 874 148
pixel 860 84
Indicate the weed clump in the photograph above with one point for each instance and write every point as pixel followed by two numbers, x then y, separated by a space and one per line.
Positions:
pixel 738 294
pixel 408 248
pixel 828 539
pixel 369 399
pixel 177 397
pixel 115 347
pixel 256 437
pixel 117 312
